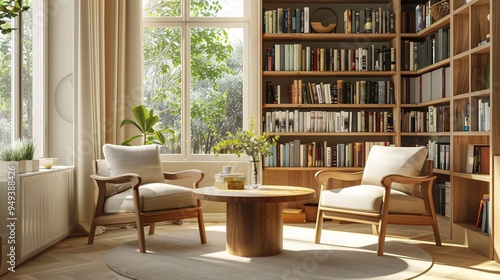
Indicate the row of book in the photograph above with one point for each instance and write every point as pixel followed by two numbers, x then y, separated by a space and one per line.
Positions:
pixel 369 21
pixel 328 121
pixel 297 20
pixel 338 92
pixel 435 119
pixel 423 17
pixel 478 159
pixel 429 86
pixel 441 195
pixel 418 18
pixel 484 215
pixel 286 20
pixel 439 152
pixel 295 57
pixel 416 55
pixel 320 154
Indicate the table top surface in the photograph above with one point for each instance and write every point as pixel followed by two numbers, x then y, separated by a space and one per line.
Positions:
pixel 263 194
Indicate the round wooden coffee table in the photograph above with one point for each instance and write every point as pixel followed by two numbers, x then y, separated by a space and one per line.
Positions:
pixel 254 217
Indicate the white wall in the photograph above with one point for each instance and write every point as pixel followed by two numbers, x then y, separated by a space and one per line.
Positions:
pixel 61 54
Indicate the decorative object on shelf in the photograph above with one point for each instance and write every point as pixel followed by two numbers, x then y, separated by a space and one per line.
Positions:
pixel 48 163
pixel 440 9
pixel 324 20
pixel 251 144
pixel 19 154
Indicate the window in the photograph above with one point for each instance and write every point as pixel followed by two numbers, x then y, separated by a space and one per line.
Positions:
pixel 195 75
pixel 18 95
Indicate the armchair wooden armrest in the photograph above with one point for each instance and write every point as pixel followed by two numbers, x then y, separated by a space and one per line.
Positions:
pixel 324 176
pixel 124 178
pixel 195 175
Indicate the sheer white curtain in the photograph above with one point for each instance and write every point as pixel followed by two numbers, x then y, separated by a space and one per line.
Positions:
pixel 109 83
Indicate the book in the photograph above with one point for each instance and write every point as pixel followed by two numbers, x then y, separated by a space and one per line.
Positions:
pixel 291 215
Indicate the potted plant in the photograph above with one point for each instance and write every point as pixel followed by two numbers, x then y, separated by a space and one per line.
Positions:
pixel 145 121
pixel 251 144
pixel 10 9
pixel 20 154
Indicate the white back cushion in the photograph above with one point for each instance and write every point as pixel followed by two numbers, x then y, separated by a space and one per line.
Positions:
pixel 142 160
pixel 383 160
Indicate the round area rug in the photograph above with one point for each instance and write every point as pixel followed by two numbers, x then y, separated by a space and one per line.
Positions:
pixel 178 254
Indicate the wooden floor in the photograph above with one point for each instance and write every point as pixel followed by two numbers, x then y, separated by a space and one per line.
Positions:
pixel 74 259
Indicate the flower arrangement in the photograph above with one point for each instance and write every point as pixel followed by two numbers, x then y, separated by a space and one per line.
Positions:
pixel 247 142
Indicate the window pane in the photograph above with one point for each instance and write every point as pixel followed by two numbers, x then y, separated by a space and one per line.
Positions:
pixel 216 85
pixel 217 8
pixel 27 75
pixel 162 81
pixel 162 8
pixel 5 88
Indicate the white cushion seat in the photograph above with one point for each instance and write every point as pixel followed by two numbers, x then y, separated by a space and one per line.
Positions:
pixel 368 198
pixel 153 197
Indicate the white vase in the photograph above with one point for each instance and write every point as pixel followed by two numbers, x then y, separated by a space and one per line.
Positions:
pixel 254 174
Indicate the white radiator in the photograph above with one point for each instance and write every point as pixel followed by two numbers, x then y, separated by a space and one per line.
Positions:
pixel 45 210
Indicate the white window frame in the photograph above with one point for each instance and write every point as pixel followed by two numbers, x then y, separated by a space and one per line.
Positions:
pixel 39 9
pixel 249 22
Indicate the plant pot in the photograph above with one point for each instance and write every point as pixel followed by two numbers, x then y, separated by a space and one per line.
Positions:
pixel 19 167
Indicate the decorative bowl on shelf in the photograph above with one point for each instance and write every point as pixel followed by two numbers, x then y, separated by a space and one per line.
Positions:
pixel 48 163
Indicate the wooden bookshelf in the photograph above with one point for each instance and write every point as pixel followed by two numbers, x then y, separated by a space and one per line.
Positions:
pixel 469 57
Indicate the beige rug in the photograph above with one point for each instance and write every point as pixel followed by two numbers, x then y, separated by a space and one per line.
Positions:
pixel 178 254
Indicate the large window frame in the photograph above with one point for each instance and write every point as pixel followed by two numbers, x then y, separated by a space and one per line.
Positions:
pixel 249 24
pixel 39 27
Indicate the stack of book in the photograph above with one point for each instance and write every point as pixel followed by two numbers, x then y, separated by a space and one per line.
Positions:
pixel 230 181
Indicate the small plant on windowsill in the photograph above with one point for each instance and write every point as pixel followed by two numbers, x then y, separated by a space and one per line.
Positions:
pixel 19 153
pixel 249 143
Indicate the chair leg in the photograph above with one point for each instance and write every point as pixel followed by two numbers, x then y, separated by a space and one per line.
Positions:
pixel 319 226
pixel 374 229
pixel 140 234
pixel 92 233
pixel 381 236
pixel 437 236
pixel 201 228
pixel 152 228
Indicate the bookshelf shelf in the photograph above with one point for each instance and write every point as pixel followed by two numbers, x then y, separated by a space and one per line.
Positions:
pixel 425 134
pixel 315 169
pixel 445 21
pixel 441 101
pixel 328 73
pixel 326 106
pixel 326 134
pixel 331 37
pixel 477 177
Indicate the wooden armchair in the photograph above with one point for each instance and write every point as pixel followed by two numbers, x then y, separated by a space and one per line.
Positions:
pixel 390 190
pixel 131 188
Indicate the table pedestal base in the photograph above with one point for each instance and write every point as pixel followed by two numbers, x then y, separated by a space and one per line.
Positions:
pixel 254 229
